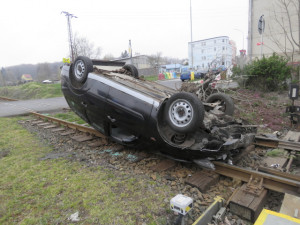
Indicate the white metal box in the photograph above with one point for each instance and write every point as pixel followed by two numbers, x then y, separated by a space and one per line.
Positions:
pixel 181 204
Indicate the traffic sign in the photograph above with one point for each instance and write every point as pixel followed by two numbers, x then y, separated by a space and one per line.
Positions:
pixel 261 24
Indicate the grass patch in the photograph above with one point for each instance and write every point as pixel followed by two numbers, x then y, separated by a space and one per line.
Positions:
pixel 275 152
pixel 250 116
pixel 32 90
pixel 272 98
pixel 70 117
pixel 151 78
pixel 34 191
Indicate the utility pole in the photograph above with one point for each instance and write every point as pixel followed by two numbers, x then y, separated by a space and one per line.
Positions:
pixel 191 34
pixel 69 17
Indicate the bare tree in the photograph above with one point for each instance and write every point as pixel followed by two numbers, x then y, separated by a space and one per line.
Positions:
pixel 83 47
pixel 217 61
pixel 108 57
pixel 124 54
pixel 171 60
pixel 155 60
pixel 286 14
pixel 7 77
pixel 2 79
pixel 43 71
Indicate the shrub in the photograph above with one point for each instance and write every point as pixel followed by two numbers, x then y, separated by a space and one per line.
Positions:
pixel 266 74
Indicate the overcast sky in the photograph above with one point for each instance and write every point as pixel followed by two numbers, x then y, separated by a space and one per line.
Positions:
pixel 35 31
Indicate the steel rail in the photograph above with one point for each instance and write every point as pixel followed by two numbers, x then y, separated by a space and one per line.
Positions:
pixel 7 99
pixel 270 181
pixel 276 143
pixel 279 173
pixel 266 142
pixel 71 125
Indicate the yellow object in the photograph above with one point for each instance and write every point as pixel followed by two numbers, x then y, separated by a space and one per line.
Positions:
pixel 218 202
pixel 66 60
pixel 264 214
pixel 26 77
pixel 192 75
pixel 169 76
pixel 187 208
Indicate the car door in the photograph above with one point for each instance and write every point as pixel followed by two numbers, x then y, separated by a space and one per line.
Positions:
pixel 95 103
pixel 127 108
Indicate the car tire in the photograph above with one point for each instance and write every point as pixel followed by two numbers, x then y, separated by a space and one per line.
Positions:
pixel 227 105
pixel 132 69
pixel 81 68
pixel 184 112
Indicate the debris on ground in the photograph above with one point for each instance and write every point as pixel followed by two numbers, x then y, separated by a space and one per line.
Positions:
pixel 74 217
pixel 259 108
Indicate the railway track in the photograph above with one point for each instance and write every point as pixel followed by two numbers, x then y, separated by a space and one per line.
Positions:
pixel 276 181
pixel 71 125
pixel 280 182
pixel 4 99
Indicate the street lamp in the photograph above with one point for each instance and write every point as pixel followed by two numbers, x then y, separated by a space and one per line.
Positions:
pixel 191 33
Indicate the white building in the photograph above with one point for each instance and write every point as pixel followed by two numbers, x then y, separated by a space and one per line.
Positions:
pixel 210 53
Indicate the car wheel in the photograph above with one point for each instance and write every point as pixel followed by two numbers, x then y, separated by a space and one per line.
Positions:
pixel 81 68
pixel 225 102
pixel 132 69
pixel 184 112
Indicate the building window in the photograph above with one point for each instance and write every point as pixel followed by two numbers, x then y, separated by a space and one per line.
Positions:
pixel 223 40
pixel 203 43
pixel 202 51
pixel 215 49
pixel 223 48
pixel 215 41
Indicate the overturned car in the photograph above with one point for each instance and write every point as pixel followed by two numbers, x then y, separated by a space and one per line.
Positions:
pixel 112 98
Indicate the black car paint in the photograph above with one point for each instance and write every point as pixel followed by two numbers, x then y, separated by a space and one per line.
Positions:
pixel 98 103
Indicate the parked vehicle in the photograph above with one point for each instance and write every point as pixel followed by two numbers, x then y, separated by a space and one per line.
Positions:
pixel 47 82
pixel 113 99
pixel 187 75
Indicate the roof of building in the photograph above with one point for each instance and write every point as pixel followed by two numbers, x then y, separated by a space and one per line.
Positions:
pixel 210 39
pixel 173 66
